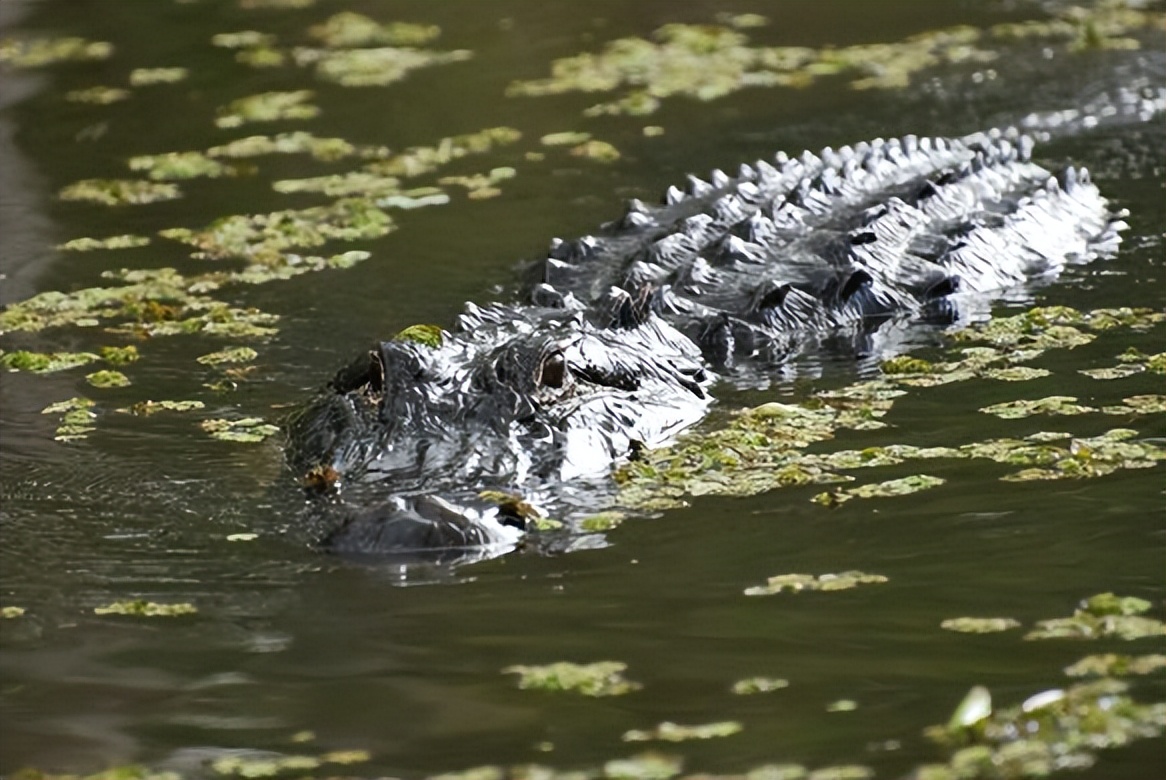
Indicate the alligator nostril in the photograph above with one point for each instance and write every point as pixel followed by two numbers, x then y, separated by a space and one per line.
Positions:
pixel 553 370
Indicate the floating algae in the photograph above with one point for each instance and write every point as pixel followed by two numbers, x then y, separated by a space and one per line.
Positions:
pixel 674 732
pixel 248 430
pixel 119 192
pixel 970 625
pixel 77 418
pixel 142 608
pixel 373 67
pixel 125 241
pixel 798 583
pixel 98 96
pixel 352 29
pixel 39 52
pixel 268 107
pixel 601 678
pixel 144 77
pixel 1102 616
pixel 179 165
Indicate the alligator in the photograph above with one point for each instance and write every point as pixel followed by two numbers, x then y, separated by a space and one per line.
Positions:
pixel 620 337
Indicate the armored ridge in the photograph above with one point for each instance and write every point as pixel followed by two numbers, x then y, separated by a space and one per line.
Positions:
pixel 626 331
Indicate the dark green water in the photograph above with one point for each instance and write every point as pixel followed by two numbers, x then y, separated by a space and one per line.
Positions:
pixel 287 639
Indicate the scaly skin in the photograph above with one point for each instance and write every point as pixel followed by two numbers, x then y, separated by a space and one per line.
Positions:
pixel 621 339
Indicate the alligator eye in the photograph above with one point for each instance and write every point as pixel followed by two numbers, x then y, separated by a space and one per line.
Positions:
pixel 553 370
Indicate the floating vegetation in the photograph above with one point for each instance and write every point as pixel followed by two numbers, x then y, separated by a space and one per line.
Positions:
pixel 39 52
pixel 45 363
pixel 706 62
pixel 340 185
pixel 601 678
pixel 229 355
pixel 419 160
pixel 281 4
pixel 107 378
pixel 842 772
pixel 1085 457
pixel 373 67
pixel 1052 730
pixel 566 138
pixel 600 151
pixel 353 29
pixel 271 765
pixel 144 77
pixel 842 705
pixel 1053 404
pixel 99 96
pixel 645 766
pixel 146 408
pixel 754 685
pixel 1015 373
pixel 268 107
pixel 8 613
pixel 674 732
pixel 1139 404
pixel 1116 665
pixel 120 356
pixel 119 192
pixel 970 625
pixel 247 431
pixel 797 583
pixel 892 487
pixel 142 608
pixel 603 521
pixel 179 165
pixel 1103 615
pixel 299 142
pixel 125 241
pixel 481 186
pixel 243 39
pixel 77 418
pixel 263 237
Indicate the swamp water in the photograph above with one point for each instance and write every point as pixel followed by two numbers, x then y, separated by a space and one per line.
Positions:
pixel 297 663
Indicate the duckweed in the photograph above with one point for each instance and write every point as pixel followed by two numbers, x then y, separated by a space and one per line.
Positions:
pixel 601 678
pixel 674 732
pixel 797 583
pixel 248 430
pixel 8 613
pixel 45 363
pixel 373 67
pixel 645 766
pixel 1116 665
pixel 566 138
pixel 179 165
pixel 100 96
pixel 229 355
pixel 1052 730
pixel 142 608
pixel 39 52
pixel 299 142
pixel 263 237
pixel 754 685
pixel 119 192
pixel 268 107
pixel 842 705
pixel 353 29
pixel 892 487
pixel 143 77
pixel 600 151
pixel 419 160
pixel 107 378
pixel 1103 615
pixel 242 39
pixel 125 241
pixel 970 625
pixel 1053 404
pixel 77 418
pixel 146 408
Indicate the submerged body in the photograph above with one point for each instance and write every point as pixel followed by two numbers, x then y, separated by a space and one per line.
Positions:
pixel 623 333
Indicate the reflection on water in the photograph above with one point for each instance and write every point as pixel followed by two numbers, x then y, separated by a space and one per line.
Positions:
pixel 287 640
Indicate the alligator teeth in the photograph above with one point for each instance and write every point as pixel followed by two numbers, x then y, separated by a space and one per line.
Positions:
pixel 781 158
pixel 745 173
pixel 673 195
pixel 718 178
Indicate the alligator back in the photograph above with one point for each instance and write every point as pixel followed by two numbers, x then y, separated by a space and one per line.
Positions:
pixel 625 331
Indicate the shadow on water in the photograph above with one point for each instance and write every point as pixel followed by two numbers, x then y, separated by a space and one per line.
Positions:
pixel 288 640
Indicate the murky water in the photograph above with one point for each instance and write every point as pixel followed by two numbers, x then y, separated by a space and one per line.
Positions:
pixel 288 640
